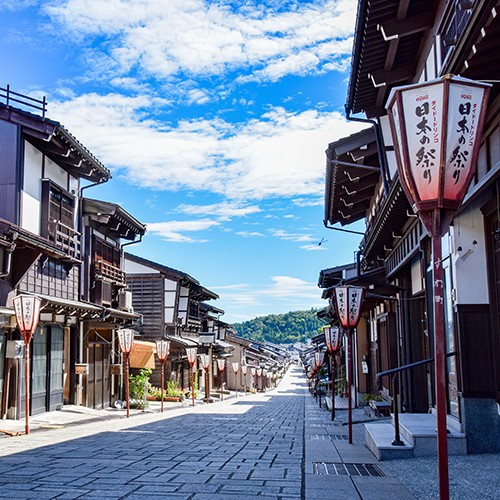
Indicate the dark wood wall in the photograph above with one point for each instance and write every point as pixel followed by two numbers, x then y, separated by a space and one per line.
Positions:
pixel 148 299
pixel 477 375
pixel 10 145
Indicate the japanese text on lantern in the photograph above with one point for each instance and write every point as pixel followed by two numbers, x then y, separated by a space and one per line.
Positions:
pixel 426 155
pixel 354 307
pixel 459 155
pixel 341 306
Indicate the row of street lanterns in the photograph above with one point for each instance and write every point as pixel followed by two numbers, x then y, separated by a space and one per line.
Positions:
pixel 436 129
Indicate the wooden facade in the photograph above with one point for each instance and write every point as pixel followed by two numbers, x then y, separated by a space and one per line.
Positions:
pixel 45 242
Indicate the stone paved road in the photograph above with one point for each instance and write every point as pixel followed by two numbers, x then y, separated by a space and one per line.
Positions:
pixel 244 448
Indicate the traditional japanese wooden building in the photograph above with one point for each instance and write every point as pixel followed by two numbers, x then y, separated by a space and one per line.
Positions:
pixel 398 43
pixel 43 251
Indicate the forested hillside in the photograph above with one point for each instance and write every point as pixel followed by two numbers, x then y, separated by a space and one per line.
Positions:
pixel 291 327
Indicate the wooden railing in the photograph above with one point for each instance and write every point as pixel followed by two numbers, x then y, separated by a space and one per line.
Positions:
pixel 65 238
pixel 108 271
pixel 9 96
pixel 462 10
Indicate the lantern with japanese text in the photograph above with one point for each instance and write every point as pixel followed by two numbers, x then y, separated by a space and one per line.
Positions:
pixel 319 358
pixel 244 370
pixel 27 310
pixel 191 353
pixel 205 363
pixel 126 341
pixel 436 129
pixel 221 364
pixel 236 367
pixel 333 338
pixel 348 302
pixel 162 350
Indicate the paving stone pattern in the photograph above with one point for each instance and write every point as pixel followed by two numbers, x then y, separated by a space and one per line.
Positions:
pixel 250 447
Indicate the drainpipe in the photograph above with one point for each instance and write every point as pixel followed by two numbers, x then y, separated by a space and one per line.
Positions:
pixel 10 249
pixel 380 145
pixel 325 223
pixel 132 242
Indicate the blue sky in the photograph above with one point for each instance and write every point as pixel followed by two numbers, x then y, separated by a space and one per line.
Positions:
pixel 213 117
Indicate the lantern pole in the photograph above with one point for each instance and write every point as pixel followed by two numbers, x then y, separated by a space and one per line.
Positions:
pixel 332 371
pixel 127 387
pixel 349 377
pixel 348 302
pixel 126 341
pixel 27 310
pixel 221 363
pixel 244 370
pixel 162 351
pixel 436 176
pixel 205 363
pixel 235 370
pixel 191 353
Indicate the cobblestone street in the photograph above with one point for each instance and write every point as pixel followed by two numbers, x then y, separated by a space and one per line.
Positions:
pixel 245 447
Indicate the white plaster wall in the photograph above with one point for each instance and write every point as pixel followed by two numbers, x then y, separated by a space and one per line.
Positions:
pixel 56 174
pixel 30 214
pixel 135 268
pixel 390 155
pixel 470 275
pixel 31 195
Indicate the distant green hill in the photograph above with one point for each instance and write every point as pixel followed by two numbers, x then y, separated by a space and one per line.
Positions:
pixel 287 328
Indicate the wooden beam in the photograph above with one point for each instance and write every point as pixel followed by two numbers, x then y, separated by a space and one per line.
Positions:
pixel 409 26
pixel 397 75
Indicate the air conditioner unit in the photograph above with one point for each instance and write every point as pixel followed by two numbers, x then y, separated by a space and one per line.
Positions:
pixel 101 293
pixel 125 301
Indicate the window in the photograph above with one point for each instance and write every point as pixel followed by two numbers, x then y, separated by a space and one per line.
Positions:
pixel 61 207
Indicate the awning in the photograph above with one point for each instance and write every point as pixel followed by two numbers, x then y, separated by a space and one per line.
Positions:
pixel 83 310
pixel 352 174
pixel 58 306
pixel 7 311
pixel 183 342
pixel 143 354
pixel 224 345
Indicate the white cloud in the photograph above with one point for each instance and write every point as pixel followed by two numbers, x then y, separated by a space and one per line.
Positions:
pixel 280 154
pixel 283 235
pixel 246 234
pixel 306 202
pixel 224 209
pixel 312 247
pixel 171 231
pixel 17 4
pixel 198 37
pixel 285 292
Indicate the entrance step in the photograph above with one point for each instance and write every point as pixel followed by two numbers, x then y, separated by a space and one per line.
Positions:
pixel 418 432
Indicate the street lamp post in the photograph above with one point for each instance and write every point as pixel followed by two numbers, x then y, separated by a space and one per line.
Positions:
pixel 205 363
pixel 191 353
pixel 348 301
pixel 253 371
pixel 162 350
pixel 221 363
pixel 126 341
pixel 436 129
pixel 333 337
pixel 27 309
pixel 244 370
pixel 319 357
pixel 236 367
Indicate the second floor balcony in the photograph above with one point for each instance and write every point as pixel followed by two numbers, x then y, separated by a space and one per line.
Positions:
pixel 105 271
pixel 65 238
